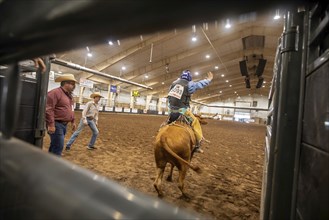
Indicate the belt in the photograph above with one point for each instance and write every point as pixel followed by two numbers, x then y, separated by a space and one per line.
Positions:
pixel 90 118
pixel 62 122
pixel 181 110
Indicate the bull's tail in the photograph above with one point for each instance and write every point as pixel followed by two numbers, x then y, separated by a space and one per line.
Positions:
pixel 165 145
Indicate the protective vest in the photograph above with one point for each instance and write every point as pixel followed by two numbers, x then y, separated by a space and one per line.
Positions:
pixel 178 95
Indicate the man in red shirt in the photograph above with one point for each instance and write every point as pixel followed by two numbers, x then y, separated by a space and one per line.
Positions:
pixel 59 112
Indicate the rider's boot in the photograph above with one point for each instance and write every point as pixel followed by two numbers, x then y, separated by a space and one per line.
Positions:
pixel 198 147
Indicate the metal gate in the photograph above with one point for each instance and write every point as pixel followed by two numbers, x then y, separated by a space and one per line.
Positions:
pixel 29 122
pixel 295 183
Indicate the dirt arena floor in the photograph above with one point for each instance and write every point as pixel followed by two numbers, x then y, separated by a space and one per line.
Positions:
pixel 228 188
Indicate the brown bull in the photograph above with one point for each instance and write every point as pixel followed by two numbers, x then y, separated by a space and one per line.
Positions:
pixel 174 144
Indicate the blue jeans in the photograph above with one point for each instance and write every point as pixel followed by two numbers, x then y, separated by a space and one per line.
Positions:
pixel 57 139
pixel 93 127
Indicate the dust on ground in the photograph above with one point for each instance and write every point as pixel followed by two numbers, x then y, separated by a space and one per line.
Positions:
pixel 228 188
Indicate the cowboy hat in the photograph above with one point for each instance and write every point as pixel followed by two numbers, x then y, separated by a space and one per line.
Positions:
pixel 66 77
pixel 93 95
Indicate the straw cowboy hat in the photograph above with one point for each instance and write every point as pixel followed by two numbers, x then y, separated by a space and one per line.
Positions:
pixel 66 77
pixel 95 95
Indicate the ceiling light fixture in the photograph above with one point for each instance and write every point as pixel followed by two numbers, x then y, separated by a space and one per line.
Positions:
pixel 207 56
pixel 193 31
pixel 110 43
pixel 216 67
pixel 277 15
pixel 89 54
pixel 228 24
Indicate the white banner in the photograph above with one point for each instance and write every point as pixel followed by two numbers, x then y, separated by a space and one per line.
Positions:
pixel 86 83
pixel 118 109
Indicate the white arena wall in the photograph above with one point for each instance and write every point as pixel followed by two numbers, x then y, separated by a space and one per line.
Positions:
pixel 124 98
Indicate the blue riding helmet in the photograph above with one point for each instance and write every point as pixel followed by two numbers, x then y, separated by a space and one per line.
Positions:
pixel 186 74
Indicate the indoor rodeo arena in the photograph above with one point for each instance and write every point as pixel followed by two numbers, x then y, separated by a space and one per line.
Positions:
pixel 153 110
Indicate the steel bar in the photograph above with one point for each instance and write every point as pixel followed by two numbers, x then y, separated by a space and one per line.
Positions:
pixel 58 189
pixel 285 140
pixel 11 95
pixel 85 69
pixel 43 79
pixel 234 107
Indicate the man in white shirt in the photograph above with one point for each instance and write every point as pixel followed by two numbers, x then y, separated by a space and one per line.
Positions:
pixel 90 118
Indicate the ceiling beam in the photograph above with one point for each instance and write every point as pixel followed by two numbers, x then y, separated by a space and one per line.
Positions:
pixel 177 57
pixel 157 86
pixel 78 67
pixel 203 68
pixel 124 54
